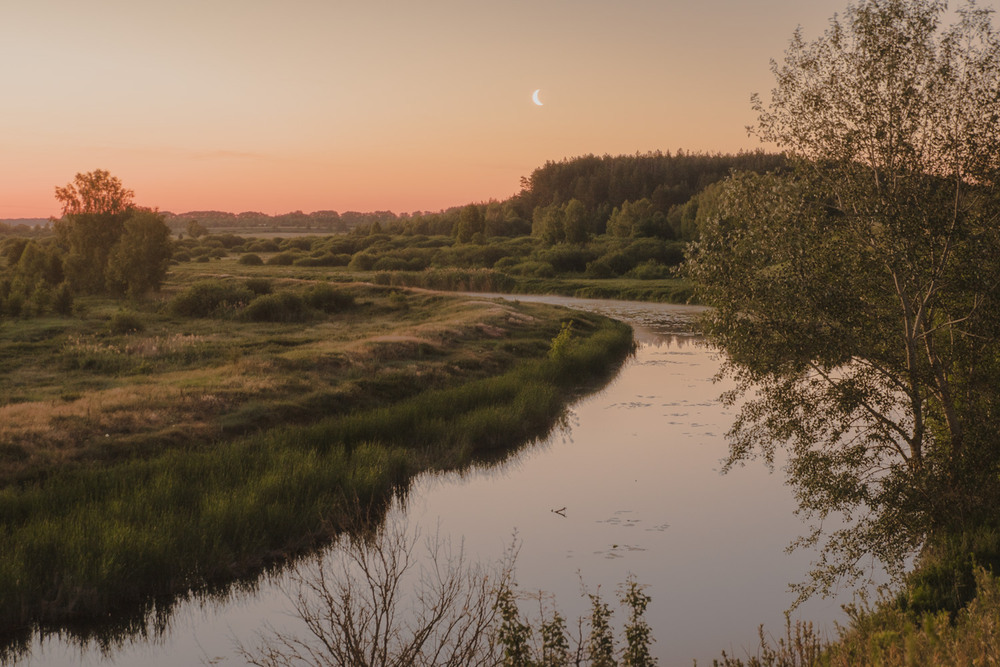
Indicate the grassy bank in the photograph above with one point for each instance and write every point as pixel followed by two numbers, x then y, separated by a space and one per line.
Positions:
pixel 946 613
pixel 135 466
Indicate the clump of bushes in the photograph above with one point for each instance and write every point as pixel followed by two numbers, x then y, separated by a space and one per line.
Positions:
pixel 250 259
pixel 286 258
pixel 207 297
pixel 324 259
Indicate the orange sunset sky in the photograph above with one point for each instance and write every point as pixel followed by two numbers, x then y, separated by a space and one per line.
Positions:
pixel 277 106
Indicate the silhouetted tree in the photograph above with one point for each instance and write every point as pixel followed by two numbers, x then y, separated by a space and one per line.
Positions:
pixel 95 207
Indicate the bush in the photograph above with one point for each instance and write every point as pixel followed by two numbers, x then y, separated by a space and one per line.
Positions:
pixel 324 259
pixel 280 307
pixel 126 322
pixel 649 270
pixel 262 245
pixel 206 297
pixel 283 259
pixel 599 269
pixel 301 243
pixel 251 259
pixel 567 259
pixel 391 264
pixel 328 299
pixel 258 285
pixel 533 269
pixel 362 261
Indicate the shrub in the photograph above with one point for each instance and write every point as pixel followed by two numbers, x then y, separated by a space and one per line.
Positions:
pixel 262 245
pixel 283 259
pixel 505 263
pixel 301 243
pixel 324 259
pixel 565 258
pixel 599 269
pixel 280 307
pixel 126 322
pixel 649 270
pixel 362 261
pixel 258 285
pixel 228 241
pixel 328 299
pixel 533 269
pixel 391 264
pixel 251 259
pixel 208 296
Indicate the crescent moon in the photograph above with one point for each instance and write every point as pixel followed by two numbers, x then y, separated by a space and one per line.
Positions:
pixel 534 98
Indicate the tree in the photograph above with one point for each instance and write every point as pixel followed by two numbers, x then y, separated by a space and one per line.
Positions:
pixel 195 229
pixel 575 221
pixel 95 207
pixel 547 224
pixel 111 244
pixel 857 294
pixel 470 223
pixel 138 262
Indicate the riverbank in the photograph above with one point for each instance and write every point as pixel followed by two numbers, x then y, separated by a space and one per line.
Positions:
pixel 187 451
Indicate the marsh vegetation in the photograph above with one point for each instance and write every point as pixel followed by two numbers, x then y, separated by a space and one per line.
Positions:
pixel 229 423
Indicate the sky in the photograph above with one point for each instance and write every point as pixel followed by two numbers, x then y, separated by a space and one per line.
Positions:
pixel 402 105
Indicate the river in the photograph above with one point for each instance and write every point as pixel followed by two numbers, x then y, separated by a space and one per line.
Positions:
pixel 636 467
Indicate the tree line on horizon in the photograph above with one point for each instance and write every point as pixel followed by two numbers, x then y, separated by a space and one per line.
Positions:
pixel 655 188
pixel 652 194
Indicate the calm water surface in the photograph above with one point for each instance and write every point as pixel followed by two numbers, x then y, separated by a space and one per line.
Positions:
pixel 637 468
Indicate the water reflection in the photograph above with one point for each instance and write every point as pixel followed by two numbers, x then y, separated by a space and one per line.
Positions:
pixel 633 473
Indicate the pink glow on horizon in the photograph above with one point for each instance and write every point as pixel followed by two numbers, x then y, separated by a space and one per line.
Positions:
pixel 368 105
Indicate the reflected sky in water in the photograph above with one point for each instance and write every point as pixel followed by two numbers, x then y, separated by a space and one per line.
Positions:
pixel 636 467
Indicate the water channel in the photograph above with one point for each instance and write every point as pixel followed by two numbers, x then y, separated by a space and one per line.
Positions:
pixel 636 467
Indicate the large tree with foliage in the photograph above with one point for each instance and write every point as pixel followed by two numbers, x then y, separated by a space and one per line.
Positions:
pixel 858 294
pixel 111 244
pixel 138 261
pixel 95 206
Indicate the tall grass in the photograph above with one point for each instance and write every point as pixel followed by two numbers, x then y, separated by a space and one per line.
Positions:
pixel 87 542
pixel 890 637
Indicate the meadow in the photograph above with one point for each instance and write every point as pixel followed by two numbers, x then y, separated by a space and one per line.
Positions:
pixel 231 421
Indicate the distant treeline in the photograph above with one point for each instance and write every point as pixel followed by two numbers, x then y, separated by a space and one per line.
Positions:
pixel 650 194
pixel 25 227
pixel 318 221
pixel 643 195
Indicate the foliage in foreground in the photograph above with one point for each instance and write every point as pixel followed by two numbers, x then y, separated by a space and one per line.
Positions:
pixel 857 295
pixel 890 637
pixel 372 602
